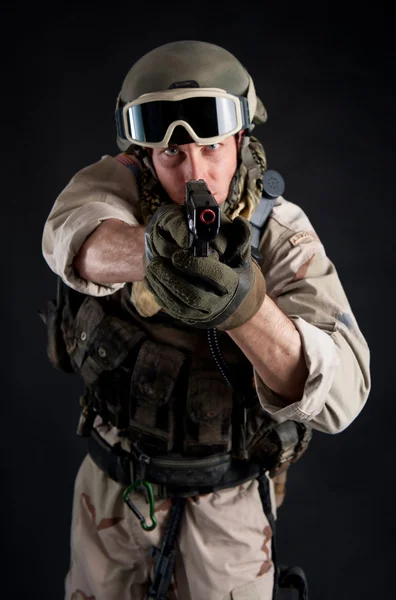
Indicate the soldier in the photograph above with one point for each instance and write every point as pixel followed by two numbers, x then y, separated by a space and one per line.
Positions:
pixel 203 376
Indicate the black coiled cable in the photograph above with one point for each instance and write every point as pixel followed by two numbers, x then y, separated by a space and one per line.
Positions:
pixel 218 356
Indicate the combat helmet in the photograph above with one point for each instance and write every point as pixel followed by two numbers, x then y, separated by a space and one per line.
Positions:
pixel 186 91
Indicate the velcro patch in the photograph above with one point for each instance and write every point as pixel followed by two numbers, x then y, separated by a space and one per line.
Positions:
pixel 303 236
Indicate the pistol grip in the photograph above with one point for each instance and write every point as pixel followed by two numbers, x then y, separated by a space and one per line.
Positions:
pixel 201 248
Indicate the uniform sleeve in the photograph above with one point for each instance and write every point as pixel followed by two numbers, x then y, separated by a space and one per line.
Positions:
pixel 304 283
pixel 106 189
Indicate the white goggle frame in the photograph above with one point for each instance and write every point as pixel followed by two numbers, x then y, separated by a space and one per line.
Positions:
pixel 182 94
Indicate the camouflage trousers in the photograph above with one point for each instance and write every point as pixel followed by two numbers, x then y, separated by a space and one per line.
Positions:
pixel 223 548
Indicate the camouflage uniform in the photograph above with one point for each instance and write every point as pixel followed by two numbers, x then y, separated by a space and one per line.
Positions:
pixel 224 544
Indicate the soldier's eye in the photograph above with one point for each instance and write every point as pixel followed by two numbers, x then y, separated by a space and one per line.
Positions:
pixel 171 151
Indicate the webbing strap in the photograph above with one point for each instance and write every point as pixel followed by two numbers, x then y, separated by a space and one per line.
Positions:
pixel 273 187
pixel 264 491
pixel 258 221
pixel 292 578
pixel 165 557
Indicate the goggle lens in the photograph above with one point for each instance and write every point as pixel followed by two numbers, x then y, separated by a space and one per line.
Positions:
pixel 207 116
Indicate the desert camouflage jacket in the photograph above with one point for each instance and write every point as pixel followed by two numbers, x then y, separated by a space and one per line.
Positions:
pixel 300 278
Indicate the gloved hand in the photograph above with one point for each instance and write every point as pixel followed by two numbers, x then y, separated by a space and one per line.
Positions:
pixel 168 231
pixel 223 290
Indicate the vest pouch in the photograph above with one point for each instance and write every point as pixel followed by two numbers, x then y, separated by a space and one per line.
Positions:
pixel 54 316
pixel 56 347
pixel 103 349
pixel 153 396
pixel 280 445
pixel 101 341
pixel 208 413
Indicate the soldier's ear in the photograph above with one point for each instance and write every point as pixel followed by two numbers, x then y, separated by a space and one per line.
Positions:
pixel 239 138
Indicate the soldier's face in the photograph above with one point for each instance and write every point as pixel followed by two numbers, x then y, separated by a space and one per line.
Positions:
pixel 215 164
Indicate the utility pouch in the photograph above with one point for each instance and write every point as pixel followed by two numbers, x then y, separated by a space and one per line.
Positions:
pixel 103 349
pixel 153 395
pixel 208 412
pixel 277 447
pixel 66 303
pixel 102 341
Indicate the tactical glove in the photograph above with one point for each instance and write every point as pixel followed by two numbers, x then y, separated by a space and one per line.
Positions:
pixel 223 290
pixel 168 232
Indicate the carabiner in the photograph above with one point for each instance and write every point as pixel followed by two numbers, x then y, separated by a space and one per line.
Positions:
pixel 133 508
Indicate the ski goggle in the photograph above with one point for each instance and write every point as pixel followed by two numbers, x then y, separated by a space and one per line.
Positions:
pixel 209 115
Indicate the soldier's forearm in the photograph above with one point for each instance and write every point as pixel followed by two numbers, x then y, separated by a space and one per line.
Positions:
pixel 273 345
pixel 113 253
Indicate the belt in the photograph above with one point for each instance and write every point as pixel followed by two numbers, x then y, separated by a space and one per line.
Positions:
pixel 175 475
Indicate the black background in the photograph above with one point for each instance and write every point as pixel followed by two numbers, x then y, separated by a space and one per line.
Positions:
pixel 325 75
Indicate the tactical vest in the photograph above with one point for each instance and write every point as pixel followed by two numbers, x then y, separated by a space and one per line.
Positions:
pixel 167 387
pixel 163 384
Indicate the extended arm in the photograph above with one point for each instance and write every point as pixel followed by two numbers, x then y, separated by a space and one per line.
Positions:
pixel 113 253
pixel 306 300
pixel 273 345
pixel 92 237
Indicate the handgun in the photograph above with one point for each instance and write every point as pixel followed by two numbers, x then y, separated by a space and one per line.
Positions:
pixel 203 216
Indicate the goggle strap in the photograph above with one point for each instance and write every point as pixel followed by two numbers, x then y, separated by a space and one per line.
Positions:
pixel 119 119
pixel 245 112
